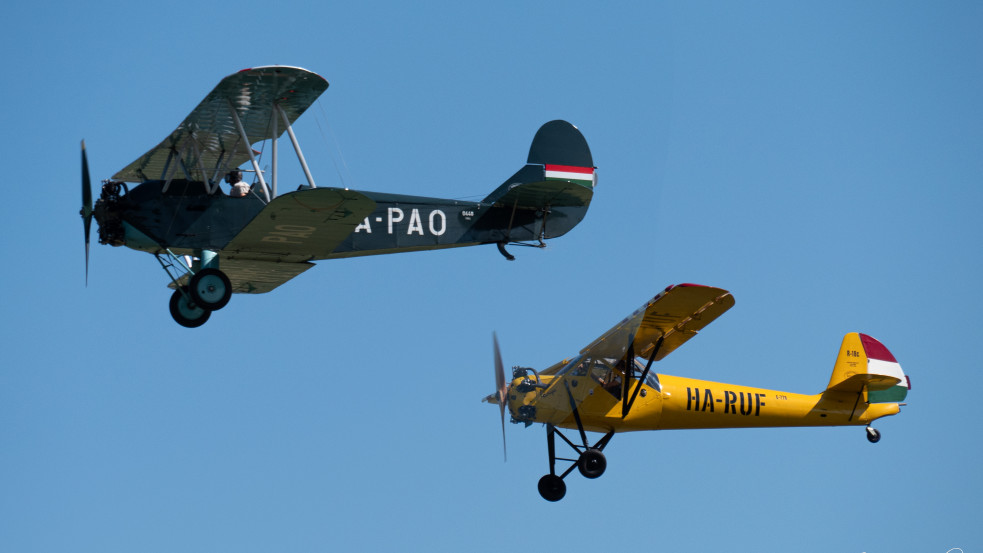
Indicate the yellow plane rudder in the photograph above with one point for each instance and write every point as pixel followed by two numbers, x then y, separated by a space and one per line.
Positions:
pixel 866 365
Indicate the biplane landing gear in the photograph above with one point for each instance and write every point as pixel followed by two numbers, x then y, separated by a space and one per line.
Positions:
pixel 210 289
pixel 185 311
pixel 873 435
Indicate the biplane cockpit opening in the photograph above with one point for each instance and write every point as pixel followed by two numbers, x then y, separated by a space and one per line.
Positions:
pixel 254 239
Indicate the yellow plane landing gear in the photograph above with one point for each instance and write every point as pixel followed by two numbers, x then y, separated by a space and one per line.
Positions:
pixel 552 488
pixel 873 436
pixel 590 461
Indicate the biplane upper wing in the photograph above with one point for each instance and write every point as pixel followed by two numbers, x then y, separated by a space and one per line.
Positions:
pixel 209 137
pixel 300 226
pixel 675 316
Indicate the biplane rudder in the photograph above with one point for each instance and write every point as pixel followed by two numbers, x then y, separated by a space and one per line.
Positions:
pixel 558 155
pixel 866 365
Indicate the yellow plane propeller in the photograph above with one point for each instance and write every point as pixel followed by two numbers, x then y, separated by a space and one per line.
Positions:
pixel 609 387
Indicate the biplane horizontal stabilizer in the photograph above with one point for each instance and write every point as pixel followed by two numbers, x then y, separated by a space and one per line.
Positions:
pixel 535 195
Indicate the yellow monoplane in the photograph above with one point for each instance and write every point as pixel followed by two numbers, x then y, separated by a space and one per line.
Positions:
pixel 594 392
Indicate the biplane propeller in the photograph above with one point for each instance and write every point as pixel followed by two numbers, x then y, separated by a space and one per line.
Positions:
pixel 213 245
pixel 609 387
pixel 86 212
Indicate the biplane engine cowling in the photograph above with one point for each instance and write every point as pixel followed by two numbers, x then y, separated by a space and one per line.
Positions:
pixel 108 212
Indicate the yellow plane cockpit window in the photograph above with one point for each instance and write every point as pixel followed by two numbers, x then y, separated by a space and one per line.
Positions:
pixel 651 379
pixel 575 366
pixel 606 373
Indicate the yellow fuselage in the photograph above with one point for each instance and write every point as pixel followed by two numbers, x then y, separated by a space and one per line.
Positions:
pixel 689 403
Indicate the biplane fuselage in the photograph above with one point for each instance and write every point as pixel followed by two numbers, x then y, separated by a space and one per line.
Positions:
pixel 187 220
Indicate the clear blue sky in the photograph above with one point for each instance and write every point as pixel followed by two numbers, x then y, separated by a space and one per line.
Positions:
pixel 822 162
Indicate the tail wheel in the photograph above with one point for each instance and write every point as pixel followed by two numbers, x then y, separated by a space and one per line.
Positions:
pixel 873 435
pixel 592 463
pixel 552 487
pixel 210 289
pixel 186 312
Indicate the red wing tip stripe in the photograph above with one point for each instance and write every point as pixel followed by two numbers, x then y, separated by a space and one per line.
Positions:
pixel 570 169
pixel 876 350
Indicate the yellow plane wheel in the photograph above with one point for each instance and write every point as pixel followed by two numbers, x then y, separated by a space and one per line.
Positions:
pixel 552 487
pixel 185 312
pixel 873 436
pixel 592 463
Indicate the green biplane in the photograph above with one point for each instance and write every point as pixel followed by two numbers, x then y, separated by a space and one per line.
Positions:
pixel 212 244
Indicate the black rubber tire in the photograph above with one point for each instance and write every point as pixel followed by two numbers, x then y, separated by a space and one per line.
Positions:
pixel 552 487
pixel 186 313
pixel 592 463
pixel 210 289
pixel 873 436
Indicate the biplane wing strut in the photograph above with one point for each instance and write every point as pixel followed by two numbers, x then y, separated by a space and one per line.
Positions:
pixel 250 106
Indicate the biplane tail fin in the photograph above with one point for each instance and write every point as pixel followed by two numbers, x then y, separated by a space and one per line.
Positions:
pixel 558 172
pixel 865 363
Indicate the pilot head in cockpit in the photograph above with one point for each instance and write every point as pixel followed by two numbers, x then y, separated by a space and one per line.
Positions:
pixel 239 188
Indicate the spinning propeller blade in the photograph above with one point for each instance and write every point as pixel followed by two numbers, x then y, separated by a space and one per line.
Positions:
pixel 501 389
pixel 86 211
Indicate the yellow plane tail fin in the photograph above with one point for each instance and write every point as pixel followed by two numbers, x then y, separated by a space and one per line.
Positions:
pixel 864 363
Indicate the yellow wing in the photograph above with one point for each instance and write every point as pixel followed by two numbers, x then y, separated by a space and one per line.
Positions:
pixel 675 316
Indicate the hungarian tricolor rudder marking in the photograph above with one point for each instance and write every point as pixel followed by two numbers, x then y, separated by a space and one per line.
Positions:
pixel 583 176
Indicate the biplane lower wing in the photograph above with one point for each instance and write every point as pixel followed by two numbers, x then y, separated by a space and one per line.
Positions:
pixel 300 226
pixel 259 277
pixel 251 276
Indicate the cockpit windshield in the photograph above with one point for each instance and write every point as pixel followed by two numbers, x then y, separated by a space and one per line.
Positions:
pixel 575 362
pixel 608 372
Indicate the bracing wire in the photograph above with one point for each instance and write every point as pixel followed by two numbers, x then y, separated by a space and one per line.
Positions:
pixel 333 147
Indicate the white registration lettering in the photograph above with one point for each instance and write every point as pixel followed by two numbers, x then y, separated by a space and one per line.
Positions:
pixel 416 224
pixel 395 216
pixel 443 222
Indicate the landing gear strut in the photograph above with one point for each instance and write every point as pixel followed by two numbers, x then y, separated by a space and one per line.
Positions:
pixel 590 462
pixel 208 289
pixel 873 436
